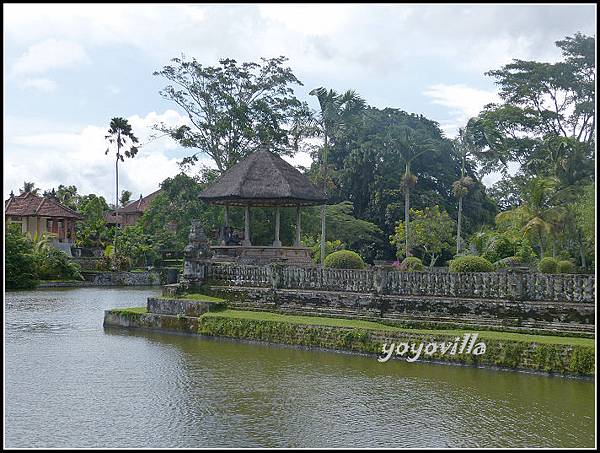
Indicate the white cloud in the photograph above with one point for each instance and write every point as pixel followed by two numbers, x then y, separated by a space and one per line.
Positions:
pixel 47 55
pixel 40 84
pixel 77 158
pixel 464 103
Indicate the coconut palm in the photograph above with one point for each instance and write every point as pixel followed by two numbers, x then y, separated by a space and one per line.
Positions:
pixel 541 213
pixel 408 181
pixel 29 187
pixel 336 113
pixel 464 184
pixel 121 134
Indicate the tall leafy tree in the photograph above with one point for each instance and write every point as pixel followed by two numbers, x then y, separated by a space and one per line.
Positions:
pixel 120 134
pixel 433 231
pixel 541 101
pixel 234 109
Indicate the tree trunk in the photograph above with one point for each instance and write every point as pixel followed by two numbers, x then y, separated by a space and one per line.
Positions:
pixel 324 165
pixel 581 248
pixel 407 219
pixel 458 225
pixel 117 192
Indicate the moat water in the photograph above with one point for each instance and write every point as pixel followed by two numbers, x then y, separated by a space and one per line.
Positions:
pixel 71 383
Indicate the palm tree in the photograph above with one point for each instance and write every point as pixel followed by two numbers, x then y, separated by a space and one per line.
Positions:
pixel 125 197
pixel 462 187
pixel 336 113
pixel 409 180
pixel 29 187
pixel 541 213
pixel 121 134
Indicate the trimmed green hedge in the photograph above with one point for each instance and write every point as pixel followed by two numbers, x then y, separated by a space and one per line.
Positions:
pixel 470 263
pixel 344 259
pixel 412 264
pixel 565 267
pixel 548 265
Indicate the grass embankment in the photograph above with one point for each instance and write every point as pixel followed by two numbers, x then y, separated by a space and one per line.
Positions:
pixel 369 325
pixel 200 297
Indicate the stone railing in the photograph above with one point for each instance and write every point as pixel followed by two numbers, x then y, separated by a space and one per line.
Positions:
pixel 509 286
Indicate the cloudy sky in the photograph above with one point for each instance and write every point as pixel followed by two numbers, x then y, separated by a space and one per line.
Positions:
pixel 68 69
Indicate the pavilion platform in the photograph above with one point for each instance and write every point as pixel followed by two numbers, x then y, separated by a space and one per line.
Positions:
pixel 261 255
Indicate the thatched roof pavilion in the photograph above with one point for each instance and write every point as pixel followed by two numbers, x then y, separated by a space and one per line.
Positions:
pixel 264 179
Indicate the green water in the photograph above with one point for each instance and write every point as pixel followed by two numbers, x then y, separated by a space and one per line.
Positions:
pixel 71 383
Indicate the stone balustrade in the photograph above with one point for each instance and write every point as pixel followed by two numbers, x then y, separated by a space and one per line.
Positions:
pixel 492 285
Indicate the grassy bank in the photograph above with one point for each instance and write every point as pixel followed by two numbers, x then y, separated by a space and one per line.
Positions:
pixel 553 354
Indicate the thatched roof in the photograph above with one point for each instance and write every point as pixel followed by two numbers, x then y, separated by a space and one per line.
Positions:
pixel 263 179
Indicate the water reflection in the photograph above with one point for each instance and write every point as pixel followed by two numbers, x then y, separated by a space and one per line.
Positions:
pixel 114 387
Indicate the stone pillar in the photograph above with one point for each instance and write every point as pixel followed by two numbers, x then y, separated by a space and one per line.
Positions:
pixel 225 225
pixel 277 242
pixel 247 226
pixel 297 226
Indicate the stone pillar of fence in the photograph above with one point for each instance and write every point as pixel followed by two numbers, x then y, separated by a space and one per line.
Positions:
pixel 276 274
pixel 196 257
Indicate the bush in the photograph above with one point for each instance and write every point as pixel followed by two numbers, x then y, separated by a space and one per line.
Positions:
pixel 114 263
pixel 412 264
pixel 505 263
pixel 565 267
pixel 547 265
pixel 498 248
pixel 55 264
pixel 103 264
pixel 344 259
pixel 19 261
pixel 470 263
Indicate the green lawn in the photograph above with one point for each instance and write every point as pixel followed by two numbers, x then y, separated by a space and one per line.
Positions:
pixel 368 325
pixel 138 310
pixel 201 297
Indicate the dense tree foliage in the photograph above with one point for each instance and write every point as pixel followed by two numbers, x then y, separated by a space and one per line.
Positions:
pixel 19 261
pixel 93 230
pixel 368 162
pixel 546 125
pixel 234 109
pixel 433 234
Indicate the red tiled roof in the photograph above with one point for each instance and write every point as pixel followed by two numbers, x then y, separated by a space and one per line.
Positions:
pixel 139 205
pixel 28 204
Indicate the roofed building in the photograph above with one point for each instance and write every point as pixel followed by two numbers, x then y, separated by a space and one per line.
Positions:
pixel 129 214
pixel 262 179
pixel 42 215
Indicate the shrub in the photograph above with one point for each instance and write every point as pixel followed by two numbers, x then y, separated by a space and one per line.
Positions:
pixel 547 265
pixel 54 263
pixel 470 263
pixel 524 251
pixel 505 263
pixel 114 263
pixel 344 259
pixel 412 264
pixel 565 267
pixel 103 264
pixel 19 261
pixel 498 248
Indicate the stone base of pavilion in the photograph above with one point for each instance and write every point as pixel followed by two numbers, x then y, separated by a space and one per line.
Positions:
pixel 260 255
